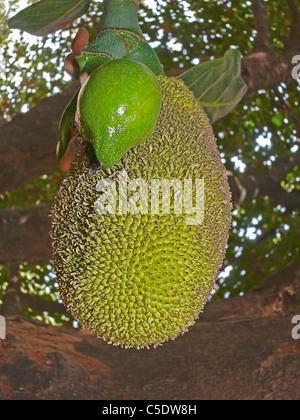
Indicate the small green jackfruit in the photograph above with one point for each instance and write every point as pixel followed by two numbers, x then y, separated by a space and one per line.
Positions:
pixel 117 108
pixel 141 273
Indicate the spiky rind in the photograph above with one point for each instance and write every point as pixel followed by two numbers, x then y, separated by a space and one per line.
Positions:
pixel 137 280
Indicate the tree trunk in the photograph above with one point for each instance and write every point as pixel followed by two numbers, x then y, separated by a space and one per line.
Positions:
pixel 240 348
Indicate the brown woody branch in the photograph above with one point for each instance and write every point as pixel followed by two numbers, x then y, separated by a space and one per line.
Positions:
pixel 268 184
pixel 267 69
pixel 263 38
pixel 250 187
pixel 11 300
pixel 28 142
pixel 14 300
pixel 294 36
pixel 42 305
pixel 294 9
pixel 24 235
pixel 240 349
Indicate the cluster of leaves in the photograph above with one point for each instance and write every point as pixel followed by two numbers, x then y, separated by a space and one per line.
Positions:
pixel 251 139
pixel 33 67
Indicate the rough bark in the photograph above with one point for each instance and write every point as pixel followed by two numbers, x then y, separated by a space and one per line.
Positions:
pixel 263 37
pixel 240 348
pixel 24 235
pixel 28 142
pixel 267 69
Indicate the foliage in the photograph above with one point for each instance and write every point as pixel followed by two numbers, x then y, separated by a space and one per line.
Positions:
pixel 47 16
pixel 251 139
pixel 217 84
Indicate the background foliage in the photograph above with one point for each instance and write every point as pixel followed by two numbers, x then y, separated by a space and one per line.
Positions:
pixel 251 139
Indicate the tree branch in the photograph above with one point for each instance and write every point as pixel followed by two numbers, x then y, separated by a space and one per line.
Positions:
pixel 263 38
pixel 294 36
pixel 11 304
pixel 24 235
pixel 14 300
pixel 264 69
pixel 250 187
pixel 294 9
pixel 42 305
pixel 268 184
pixel 240 349
pixel 28 142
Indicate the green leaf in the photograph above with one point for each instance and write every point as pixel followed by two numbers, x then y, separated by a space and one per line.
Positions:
pixel 277 120
pixel 217 84
pixel 47 16
pixel 64 126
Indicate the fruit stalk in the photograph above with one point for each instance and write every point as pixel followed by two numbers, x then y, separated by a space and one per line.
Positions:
pixel 121 14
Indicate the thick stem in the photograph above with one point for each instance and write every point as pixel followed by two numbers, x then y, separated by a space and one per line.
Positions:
pixel 121 14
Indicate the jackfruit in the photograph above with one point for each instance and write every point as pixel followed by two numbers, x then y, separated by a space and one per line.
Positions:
pixel 139 278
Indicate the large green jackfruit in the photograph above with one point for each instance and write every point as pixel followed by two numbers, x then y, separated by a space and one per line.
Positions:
pixel 140 279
